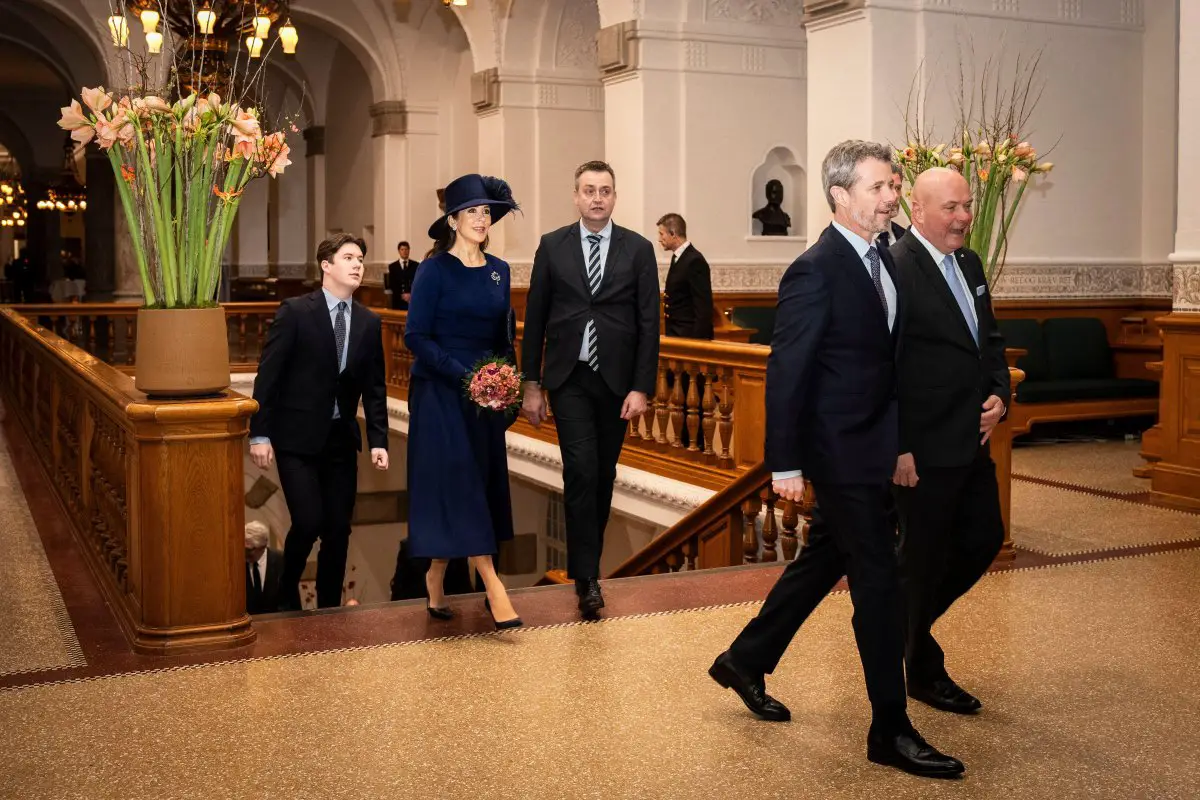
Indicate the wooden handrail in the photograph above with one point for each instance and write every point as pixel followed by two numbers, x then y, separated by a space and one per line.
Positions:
pixel 705 425
pixel 160 524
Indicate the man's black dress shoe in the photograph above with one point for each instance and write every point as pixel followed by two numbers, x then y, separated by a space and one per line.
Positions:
pixel 907 751
pixel 752 690
pixel 945 695
pixel 590 599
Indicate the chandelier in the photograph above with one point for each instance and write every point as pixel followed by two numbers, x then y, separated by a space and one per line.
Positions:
pixel 209 35
pixel 12 203
pixel 66 195
pixel 448 3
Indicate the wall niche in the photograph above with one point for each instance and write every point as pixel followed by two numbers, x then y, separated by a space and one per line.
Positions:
pixel 774 217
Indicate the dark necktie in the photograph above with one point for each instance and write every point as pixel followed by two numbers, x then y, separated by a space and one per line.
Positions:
pixel 255 578
pixel 593 276
pixel 877 277
pixel 882 241
pixel 339 334
pixel 672 259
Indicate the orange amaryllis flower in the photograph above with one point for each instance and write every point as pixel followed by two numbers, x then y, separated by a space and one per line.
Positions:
pixel 127 173
pixel 73 117
pixel 225 196
pixel 1019 174
pixel 96 99
pixel 983 174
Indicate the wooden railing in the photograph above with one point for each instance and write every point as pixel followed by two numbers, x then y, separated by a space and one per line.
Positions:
pixel 744 523
pixel 152 490
pixel 109 330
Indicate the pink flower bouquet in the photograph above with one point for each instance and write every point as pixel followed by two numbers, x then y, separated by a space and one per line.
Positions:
pixel 495 385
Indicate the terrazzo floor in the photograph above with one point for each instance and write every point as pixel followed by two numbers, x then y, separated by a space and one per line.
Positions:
pixel 1087 673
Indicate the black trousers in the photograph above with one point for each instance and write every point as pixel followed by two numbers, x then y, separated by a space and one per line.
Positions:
pixel 320 491
pixel 849 536
pixel 590 435
pixel 950 531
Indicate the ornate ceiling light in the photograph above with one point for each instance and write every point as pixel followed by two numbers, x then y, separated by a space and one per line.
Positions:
pixel 209 36
pixel 66 195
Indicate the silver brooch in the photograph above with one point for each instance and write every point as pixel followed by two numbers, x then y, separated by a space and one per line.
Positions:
pixel 496 276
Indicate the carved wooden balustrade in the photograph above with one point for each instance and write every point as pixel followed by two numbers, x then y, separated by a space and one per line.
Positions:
pixel 744 523
pixel 153 490
pixel 109 330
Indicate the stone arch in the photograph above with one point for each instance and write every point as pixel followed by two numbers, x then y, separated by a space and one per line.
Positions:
pixel 53 27
pixel 385 83
pixel 17 143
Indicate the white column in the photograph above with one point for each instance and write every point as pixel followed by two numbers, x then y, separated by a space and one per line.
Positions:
pixel 314 168
pixel 389 124
pixel 1186 257
pixel 249 255
pixel 534 132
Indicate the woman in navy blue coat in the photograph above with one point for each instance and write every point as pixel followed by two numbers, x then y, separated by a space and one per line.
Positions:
pixel 459 314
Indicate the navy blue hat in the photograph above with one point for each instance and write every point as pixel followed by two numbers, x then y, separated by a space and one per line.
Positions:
pixel 473 190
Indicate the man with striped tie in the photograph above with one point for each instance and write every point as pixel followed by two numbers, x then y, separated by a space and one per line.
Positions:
pixel 593 307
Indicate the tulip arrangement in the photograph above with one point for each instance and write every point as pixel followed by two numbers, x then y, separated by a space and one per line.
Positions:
pixel 181 169
pixel 990 151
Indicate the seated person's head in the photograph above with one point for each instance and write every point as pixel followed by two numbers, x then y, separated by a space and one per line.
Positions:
pixel 258 536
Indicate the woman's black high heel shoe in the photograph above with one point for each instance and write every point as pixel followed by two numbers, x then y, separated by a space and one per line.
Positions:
pixel 440 612
pixel 508 624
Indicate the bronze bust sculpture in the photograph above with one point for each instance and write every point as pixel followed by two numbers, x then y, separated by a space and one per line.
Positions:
pixel 775 221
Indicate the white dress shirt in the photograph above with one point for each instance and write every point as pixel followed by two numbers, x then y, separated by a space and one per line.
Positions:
pixel 939 259
pixel 605 240
pixel 679 250
pixel 861 246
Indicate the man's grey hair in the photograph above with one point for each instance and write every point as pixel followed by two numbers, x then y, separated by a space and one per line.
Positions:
pixel 257 535
pixel 839 166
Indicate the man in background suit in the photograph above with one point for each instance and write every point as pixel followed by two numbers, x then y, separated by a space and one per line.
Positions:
pixel 593 306
pixel 263 568
pixel 894 230
pixel 324 352
pixel 400 275
pixel 953 383
pixel 688 303
pixel 832 420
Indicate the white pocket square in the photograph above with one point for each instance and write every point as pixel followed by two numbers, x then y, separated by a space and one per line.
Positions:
pixel 979 290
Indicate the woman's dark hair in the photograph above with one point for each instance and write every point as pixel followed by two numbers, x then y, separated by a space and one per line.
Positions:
pixel 446 238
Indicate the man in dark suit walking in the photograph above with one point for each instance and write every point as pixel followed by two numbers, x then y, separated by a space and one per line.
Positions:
pixel 688 299
pixel 832 420
pixel 400 275
pixel 953 384
pixel 324 352
pixel 264 566
pixel 593 306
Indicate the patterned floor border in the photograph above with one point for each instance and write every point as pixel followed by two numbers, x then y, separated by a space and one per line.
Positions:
pixel 58 607
pixel 993 574
pixel 1136 498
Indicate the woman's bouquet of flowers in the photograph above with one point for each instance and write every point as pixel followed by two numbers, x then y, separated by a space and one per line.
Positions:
pixel 494 384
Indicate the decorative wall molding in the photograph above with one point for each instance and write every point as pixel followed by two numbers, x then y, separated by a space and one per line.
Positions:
pixel 286 270
pixel 616 51
pixel 1187 287
pixel 314 141
pixel 389 118
pixel 576 44
pixel 1055 281
pixel 485 90
pixel 1126 14
pixel 787 13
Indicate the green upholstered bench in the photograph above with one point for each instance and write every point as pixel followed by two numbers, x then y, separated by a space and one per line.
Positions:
pixel 1069 373
pixel 760 319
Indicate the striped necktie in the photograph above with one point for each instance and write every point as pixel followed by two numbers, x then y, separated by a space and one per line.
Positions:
pixel 593 276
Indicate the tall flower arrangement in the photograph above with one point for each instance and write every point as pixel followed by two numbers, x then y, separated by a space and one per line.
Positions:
pixel 181 169
pixel 990 147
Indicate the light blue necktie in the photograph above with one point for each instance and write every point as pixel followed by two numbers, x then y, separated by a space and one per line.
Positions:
pixel 964 303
